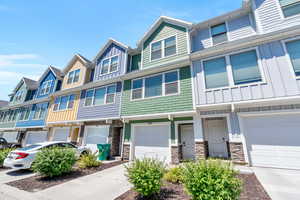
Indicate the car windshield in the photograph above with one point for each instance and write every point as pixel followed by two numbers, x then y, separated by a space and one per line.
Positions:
pixel 28 148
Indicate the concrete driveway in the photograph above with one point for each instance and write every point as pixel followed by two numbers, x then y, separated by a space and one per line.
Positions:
pixel 280 184
pixel 12 175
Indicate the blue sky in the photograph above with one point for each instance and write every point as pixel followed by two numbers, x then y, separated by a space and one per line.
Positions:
pixel 35 34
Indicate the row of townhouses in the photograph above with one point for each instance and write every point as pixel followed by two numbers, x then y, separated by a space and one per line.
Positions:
pixel 228 87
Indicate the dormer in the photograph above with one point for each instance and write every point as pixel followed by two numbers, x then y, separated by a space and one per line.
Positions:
pixel 49 82
pixel 77 72
pixel 111 60
pixel 24 91
pixel 166 41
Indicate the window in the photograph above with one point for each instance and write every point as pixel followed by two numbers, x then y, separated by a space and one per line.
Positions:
pixel 76 76
pixel 46 87
pixel 19 95
pixel 215 73
pixel 42 112
pixel 290 7
pixel 219 33
pixel 163 48
pixel 110 94
pixel 22 115
pixel 171 83
pixel 27 113
pixel 245 67
pixel 170 46
pixel 70 77
pixel 56 104
pixel 153 86
pixel 71 101
pixel 99 96
pixel 63 102
pixel 156 50
pixel 37 112
pixel 15 115
pixel 137 89
pixel 114 64
pixel 89 98
pixel 293 49
pixel 110 65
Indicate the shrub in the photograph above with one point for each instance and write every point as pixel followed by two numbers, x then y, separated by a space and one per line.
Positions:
pixel 54 161
pixel 174 175
pixel 88 160
pixel 3 154
pixel 211 180
pixel 146 175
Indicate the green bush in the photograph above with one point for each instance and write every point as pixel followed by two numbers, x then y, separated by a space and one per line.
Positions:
pixel 211 180
pixel 146 175
pixel 54 161
pixel 88 160
pixel 174 175
pixel 3 154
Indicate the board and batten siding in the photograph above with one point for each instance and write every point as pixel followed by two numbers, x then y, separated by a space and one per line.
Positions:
pixel 238 28
pixel 164 31
pixel 279 80
pixel 100 111
pixel 269 16
pixel 163 104
pixel 49 77
pixel 63 115
pixel 112 50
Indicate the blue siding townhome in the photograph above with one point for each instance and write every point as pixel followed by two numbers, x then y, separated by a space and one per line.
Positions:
pixel 99 106
pixel 247 86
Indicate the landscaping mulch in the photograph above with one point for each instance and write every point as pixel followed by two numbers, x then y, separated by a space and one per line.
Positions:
pixel 38 183
pixel 252 190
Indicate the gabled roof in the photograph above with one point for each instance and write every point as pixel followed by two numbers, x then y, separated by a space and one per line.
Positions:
pixel 77 56
pixel 30 84
pixel 108 43
pixel 157 23
pixel 57 73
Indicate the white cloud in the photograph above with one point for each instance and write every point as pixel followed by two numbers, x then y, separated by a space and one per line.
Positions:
pixel 11 59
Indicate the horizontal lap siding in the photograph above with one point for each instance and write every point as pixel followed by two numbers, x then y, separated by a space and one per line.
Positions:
pixel 7 125
pixel 240 28
pixel 165 30
pixel 112 50
pixel 182 102
pixel 280 82
pixel 102 111
pixel 66 115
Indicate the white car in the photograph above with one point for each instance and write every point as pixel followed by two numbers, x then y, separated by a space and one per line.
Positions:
pixel 22 158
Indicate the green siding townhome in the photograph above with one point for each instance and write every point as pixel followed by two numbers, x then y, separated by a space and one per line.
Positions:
pixel 157 103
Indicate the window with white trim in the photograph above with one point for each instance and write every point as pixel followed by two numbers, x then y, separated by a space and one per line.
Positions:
pixel 64 102
pixel 290 7
pixel 71 101
pixel 100 96
pixel 163 48
pixel 219 33
pixel 89 98
pixel 293 49
pixel 73 76
pixel 37 112
pixel 56 104
pixel 110 65
pixel 19 95
pixel 244 67
pixel 110 94
pixel 46 87
pixel 25 113
pixel 154 86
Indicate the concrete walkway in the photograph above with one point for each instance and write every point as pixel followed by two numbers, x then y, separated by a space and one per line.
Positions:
pixel 105 185
pixel 280 184
pixel 12 175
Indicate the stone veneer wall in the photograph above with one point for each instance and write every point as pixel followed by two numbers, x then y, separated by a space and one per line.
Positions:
pixel 201 150
pixel 176 154
pixel 237 152
pixel 126 151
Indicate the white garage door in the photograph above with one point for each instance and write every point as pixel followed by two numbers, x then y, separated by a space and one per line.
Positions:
pixel 152 141
pixel 61 134
pixel 10 137
pixel 273 141
pixel 36 137
pixel 96 135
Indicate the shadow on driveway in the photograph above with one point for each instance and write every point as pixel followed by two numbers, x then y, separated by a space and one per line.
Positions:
pixel 20 172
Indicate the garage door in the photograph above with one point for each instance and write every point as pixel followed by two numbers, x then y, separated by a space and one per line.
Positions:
pixel 10 137
pixel 273 141
pixel 61 134
pixel 96 135
pixel 33 137
pixel 152 142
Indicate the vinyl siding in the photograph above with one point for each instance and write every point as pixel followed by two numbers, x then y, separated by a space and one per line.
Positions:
pixel 269 15
pixel 101 111
pixel 7 125
pixel 49 76
pixel 279 80
pixel 24 89
pixel 64 115
pixel 165 30
pixel 164 104
pixel 82 77
pixel 112 50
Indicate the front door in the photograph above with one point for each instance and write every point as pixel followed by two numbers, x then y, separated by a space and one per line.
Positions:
pixel 216 135
pixel 75 134
pixel 187 141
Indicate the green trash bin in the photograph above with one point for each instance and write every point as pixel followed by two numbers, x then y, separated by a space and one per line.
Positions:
pixel 104 151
